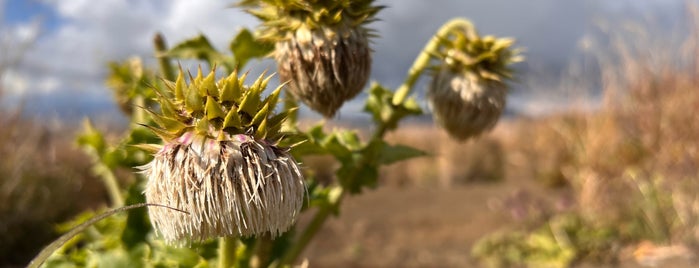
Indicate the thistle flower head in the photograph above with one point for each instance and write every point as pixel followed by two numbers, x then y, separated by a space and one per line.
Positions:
pixel 321 47
pixel 220 162
pixel 467 92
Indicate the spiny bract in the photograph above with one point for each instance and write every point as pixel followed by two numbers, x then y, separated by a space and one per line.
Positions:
pixel 468 89
pixel 321 47
pixel 220 162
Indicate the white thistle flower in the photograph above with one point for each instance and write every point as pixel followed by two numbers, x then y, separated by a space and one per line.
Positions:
pixel 220 162
pixel 235 187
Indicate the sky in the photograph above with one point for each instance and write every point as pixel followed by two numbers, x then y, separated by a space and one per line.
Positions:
pixel 63 70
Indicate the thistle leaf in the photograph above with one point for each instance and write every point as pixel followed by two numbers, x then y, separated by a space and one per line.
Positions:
pixel 245 47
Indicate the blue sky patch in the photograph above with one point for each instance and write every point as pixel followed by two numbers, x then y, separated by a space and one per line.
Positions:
pixel 24 11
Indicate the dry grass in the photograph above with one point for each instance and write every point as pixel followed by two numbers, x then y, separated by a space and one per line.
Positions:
pixel 45 180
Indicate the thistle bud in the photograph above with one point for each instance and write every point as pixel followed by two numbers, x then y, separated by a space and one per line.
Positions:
pixel 321 47
pixel 219 162
pixel 468 89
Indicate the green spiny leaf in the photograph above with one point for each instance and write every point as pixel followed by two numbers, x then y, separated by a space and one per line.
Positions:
pixel 334 146
pixel 201 49
pixel 395 153
pixel 92 137
pixel 245 47
pixel 349 139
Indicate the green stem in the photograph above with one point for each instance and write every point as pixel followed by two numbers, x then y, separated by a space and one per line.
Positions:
pixel 423 59
pixel 226 251
pixel 245 252
pixel 263 250
pixel 311 230
pixel 163 61
pixel 110 182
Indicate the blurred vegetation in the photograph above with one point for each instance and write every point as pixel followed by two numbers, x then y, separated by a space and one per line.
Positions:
pixel 45 180
pixel 632 164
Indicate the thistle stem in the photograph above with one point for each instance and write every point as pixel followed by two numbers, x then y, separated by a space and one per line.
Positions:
pixel 226 251
pixel 110 182
pixel 163 61
pixel 423 59
pixel 311 230
pixel 263 250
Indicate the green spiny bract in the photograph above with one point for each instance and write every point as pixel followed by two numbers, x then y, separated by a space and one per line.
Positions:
pixel 483 58
pixel 282 18
pixel 218 109
pixel 468 88
pixel 321 47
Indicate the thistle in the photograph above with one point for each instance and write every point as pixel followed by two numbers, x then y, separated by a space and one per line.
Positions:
pixel 321 47
pixel 467 92
pixel 220 162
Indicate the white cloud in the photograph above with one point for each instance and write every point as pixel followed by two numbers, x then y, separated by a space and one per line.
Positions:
pixel 71 58
pixel 14 83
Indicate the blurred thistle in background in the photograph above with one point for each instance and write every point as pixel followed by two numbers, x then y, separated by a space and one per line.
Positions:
pixel 468 88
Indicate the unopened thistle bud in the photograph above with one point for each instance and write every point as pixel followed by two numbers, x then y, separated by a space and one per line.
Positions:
pixel 321 47
pixel 220 162
pixel 468 89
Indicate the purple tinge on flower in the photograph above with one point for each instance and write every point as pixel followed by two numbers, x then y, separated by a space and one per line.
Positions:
pixel 230 187
pixel 465 106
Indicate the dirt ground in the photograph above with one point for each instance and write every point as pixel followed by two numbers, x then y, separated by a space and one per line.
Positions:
pixel 419 227
pixel 409 227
